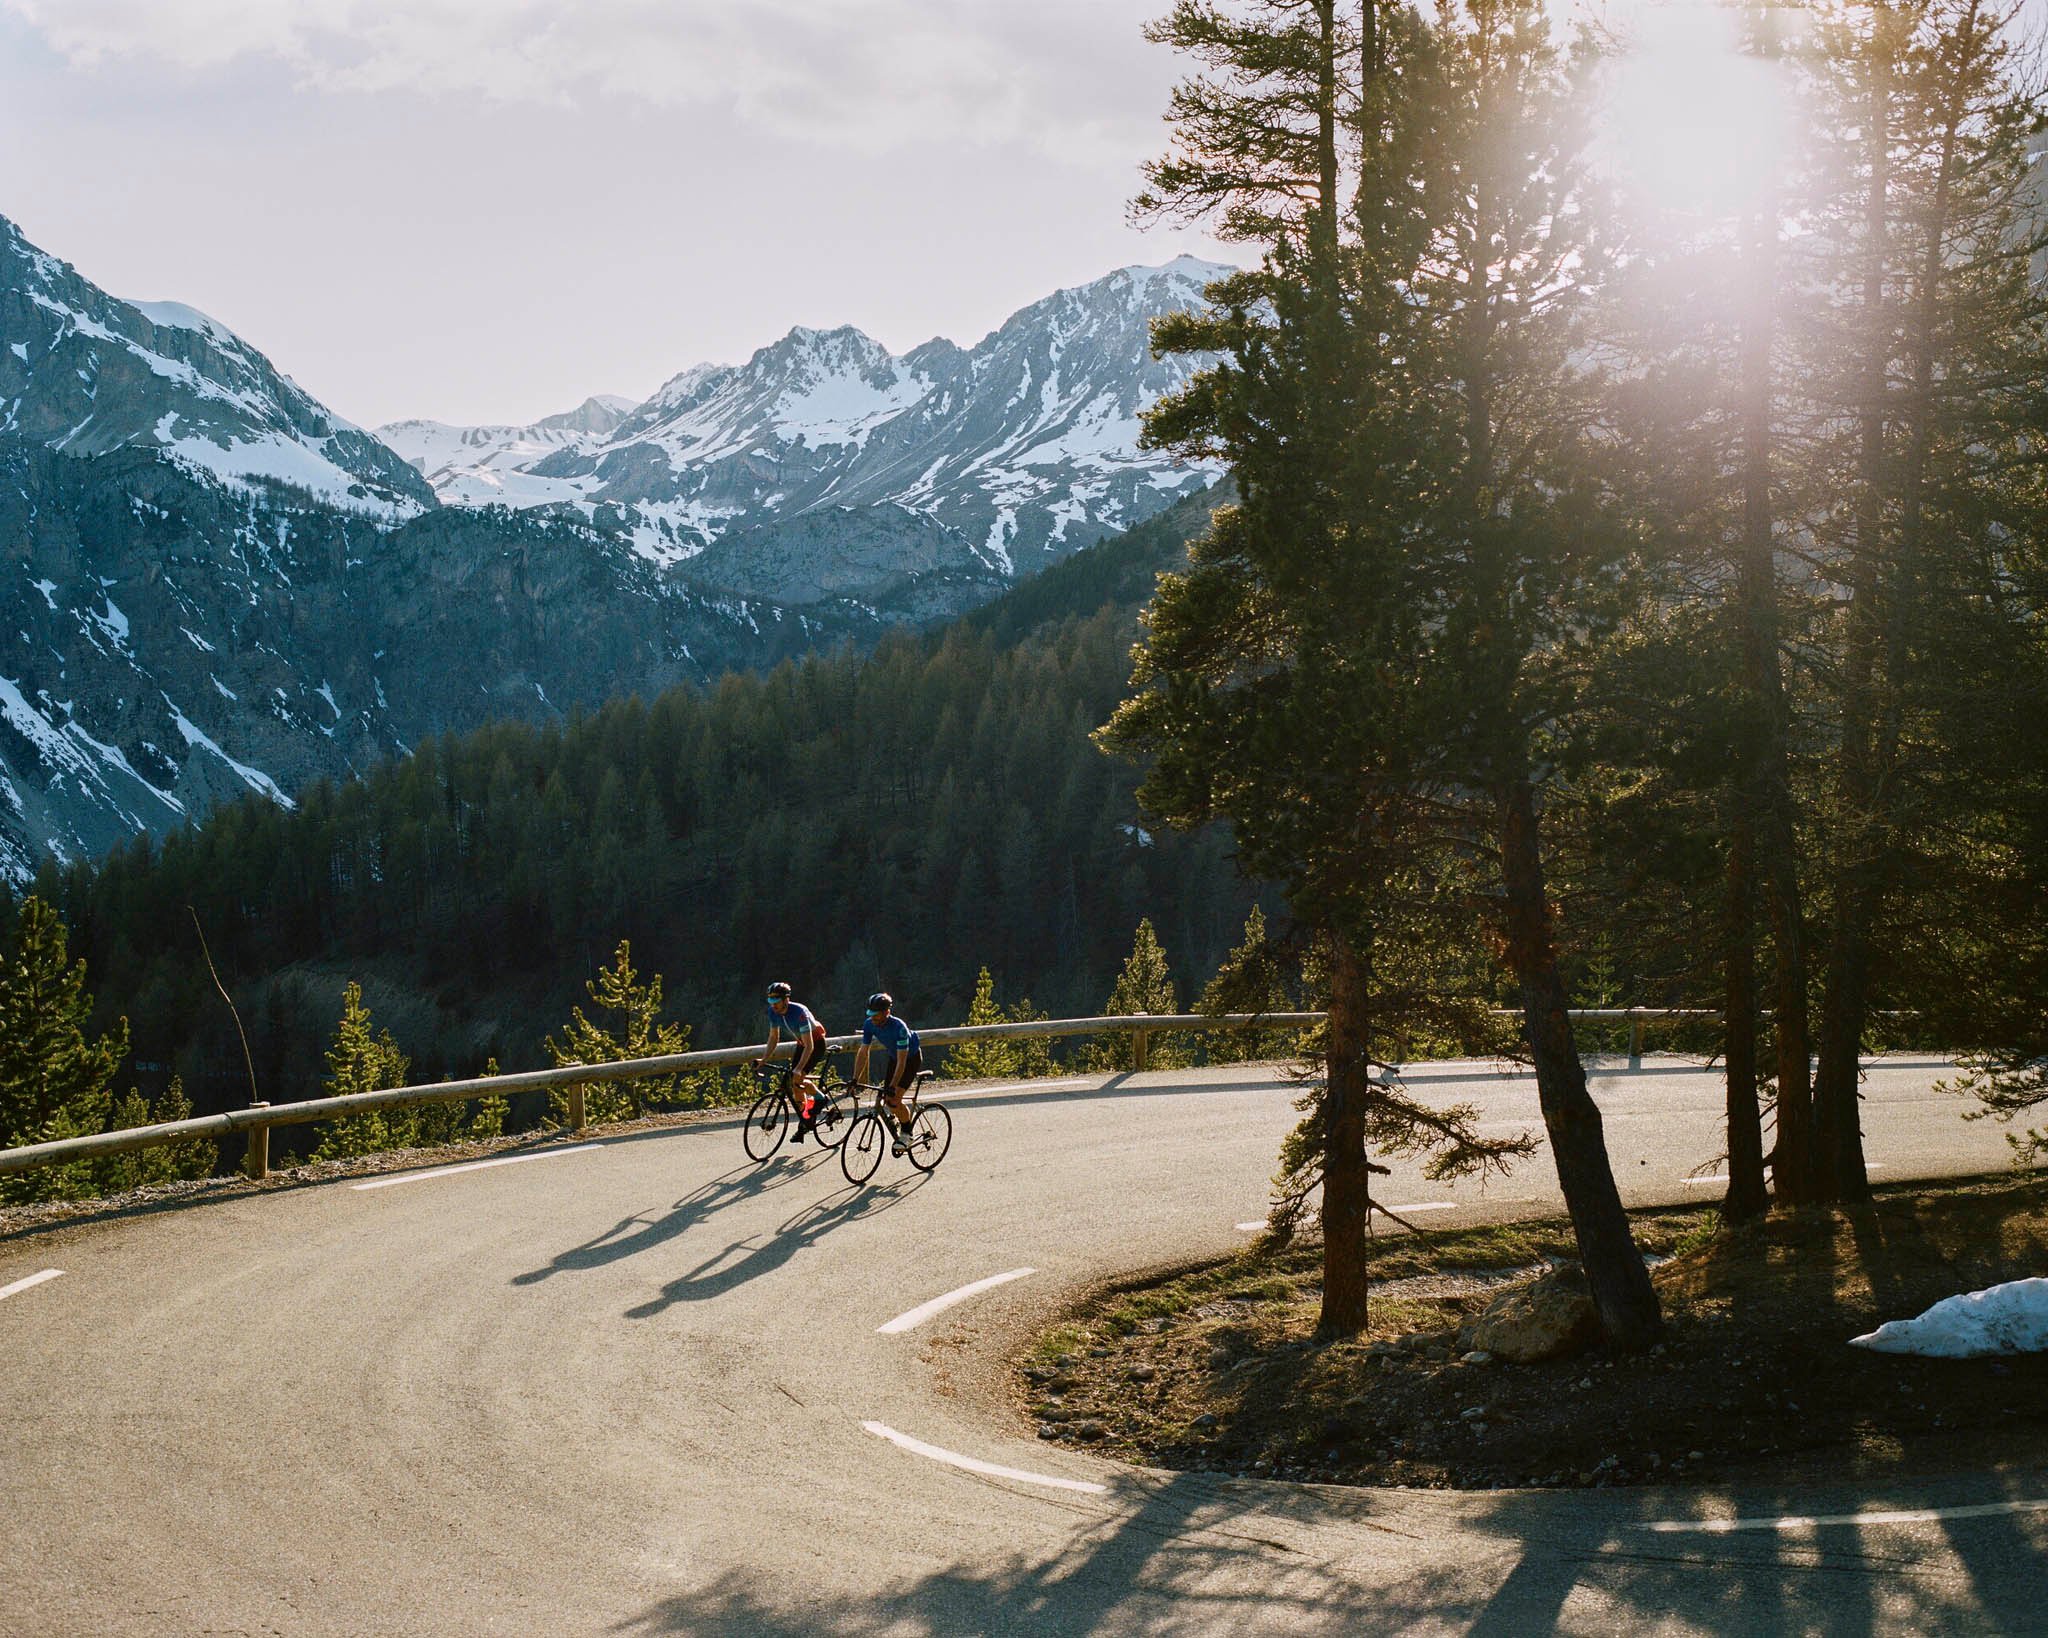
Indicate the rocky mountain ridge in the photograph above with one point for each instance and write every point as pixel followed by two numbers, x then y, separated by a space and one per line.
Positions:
pixel 1024 446
pixel 214 585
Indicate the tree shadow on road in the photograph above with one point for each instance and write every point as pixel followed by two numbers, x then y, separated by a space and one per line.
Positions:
pixel 1195 1553
pixel 749 1259
pixel 632 1235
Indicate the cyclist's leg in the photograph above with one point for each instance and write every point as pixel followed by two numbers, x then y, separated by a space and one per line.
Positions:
pixel 803 1089
pixel 902 1073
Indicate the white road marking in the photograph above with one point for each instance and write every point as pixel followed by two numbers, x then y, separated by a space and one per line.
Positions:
pixel 1803 1521
pixel 1251 1227
pixel 472 1166
pixel 938 1305
pixel 974 1465
pixel 33 1279
pixel 1428 1205
pixel 1722 1177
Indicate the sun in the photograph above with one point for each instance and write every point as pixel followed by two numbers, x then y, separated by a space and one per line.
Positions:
pixel 1697 116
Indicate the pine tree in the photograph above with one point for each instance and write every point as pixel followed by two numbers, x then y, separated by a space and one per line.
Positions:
pixel 636 1031
pixel 489 1120
pixel 117 1174
pixel 1034 1052
pixel 53 1077
pixel 359 1061
pixel 1253 978
pixel 1526 563
pixel 1931 364
pixel 1277 687
pixel 1144 986
pixel 194 1158
pixel 982 1060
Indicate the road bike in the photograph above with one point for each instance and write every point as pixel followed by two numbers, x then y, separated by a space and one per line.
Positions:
pixel 874 1133
pixel 774 1114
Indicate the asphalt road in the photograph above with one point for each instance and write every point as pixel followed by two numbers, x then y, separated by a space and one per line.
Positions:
pixel 640 1387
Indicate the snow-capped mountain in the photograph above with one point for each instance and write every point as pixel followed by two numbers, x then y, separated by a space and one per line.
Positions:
pixel 1024 446
pixel 486 466
pixel 85 373
pixel 213 586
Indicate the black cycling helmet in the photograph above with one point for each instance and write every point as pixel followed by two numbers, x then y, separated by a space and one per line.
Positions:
pixel 778 992
pixel 879 1002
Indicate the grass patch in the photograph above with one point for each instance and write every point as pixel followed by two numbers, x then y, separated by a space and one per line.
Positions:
pixel 1219 1367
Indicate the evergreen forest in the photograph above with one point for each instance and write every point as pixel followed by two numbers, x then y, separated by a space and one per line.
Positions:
pixel 849 822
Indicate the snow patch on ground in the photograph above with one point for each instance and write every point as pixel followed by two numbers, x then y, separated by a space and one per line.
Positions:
pixel 2002 1319
pixel 284 460
pixel 255 778
pixel 178 316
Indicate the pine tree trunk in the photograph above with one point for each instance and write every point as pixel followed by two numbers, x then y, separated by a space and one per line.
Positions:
pixel 1347 1185
pixel 1844 1010
pixel 1746 1197
pixel 1872 642
pixel 1620 1284
pixel 1774 839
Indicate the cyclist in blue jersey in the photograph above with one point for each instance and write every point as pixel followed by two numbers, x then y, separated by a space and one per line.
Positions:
pixel 803 1027
pixel 901 1057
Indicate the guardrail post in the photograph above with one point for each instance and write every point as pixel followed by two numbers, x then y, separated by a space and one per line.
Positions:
pixel 1139 1039
pixel 259 1148
pixel 1635 1042
pixel 576 1119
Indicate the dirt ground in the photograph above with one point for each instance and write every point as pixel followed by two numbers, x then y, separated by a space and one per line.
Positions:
pixel 1218 1368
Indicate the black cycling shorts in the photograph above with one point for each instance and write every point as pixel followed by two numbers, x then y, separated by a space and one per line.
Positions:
pixel 809 1049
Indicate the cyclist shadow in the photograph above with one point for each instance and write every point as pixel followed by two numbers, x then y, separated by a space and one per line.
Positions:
pixel 720 1273
pixel 632 1235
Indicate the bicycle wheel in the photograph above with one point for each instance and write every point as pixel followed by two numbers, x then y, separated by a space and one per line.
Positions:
pixel 768 1124
pixel 931 1135
pixel 837 1106
pixel 863 1149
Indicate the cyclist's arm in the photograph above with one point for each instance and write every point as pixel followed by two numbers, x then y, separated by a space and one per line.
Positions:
pixel 774 1040
pixel 860 1062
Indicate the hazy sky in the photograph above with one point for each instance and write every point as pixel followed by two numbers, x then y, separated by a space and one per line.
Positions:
pixel 485 210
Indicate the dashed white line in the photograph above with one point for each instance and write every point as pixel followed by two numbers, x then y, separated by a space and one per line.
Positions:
pixel 1809 1521
pixel 1711 1177
pixel 33 1279
pixel 472 1166
pixel 973 1464
pixel 1427 1205
pixel 1252 1227
pixel 938 1305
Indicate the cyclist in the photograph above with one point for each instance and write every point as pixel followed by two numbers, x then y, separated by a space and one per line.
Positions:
pixel 809 1035
pixel 902 1058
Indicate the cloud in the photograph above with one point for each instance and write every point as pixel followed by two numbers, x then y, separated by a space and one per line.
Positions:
pixel 1068 78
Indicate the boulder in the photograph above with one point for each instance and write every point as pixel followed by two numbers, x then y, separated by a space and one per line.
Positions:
pixel 1546 1319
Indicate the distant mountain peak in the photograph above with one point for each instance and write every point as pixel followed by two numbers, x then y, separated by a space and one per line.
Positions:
pixel 1025 445
pixel 85 373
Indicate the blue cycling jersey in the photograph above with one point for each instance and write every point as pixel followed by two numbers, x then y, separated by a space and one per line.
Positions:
pixel 795 1020
pixel 891 1033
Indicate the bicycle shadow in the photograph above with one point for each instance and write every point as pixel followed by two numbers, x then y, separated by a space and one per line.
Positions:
pixel 718 1274
pixel 632 1235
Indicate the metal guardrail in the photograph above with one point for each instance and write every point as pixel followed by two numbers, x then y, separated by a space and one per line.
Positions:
pixel 258 1118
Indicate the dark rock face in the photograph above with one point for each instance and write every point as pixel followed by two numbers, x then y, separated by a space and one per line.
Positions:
pixel 907 561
